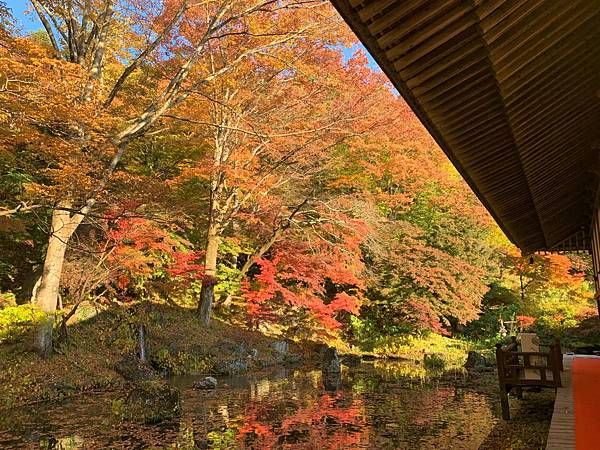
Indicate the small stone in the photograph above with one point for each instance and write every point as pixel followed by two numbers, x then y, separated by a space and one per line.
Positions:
pixel 206 384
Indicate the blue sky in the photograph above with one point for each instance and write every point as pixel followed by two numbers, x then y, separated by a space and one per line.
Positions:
pixel 29 22
pixel 348 52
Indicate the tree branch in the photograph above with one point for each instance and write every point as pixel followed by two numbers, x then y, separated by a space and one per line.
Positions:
pixel 138 59
pixel 23 207
pixel 275 235
pixel 46 25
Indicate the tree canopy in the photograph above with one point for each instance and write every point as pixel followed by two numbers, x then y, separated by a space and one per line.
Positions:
pixel 231 154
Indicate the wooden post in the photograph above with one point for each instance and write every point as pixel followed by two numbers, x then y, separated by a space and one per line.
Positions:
pixel 503 391
pixel 558 349
pixel 556 362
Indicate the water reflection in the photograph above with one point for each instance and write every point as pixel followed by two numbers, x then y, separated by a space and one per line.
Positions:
pixel 366 407
pixel 332 382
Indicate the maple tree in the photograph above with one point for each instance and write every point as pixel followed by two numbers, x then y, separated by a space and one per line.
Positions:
pixel 273 125
pixel 428 256
pixel 542 271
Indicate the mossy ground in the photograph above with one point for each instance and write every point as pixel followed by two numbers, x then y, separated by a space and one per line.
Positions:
pixel 177 343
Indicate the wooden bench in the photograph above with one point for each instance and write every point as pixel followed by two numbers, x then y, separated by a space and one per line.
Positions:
pixel 519 369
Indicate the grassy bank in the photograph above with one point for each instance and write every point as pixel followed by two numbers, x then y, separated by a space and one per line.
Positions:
pixel 98 341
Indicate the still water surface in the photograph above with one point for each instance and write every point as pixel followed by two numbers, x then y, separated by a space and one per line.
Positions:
pixel 372 406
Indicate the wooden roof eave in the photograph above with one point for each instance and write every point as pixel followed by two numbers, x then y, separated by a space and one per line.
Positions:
pixel 510 91
pixel 354 22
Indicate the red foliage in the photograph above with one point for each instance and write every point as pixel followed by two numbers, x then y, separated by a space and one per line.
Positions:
pixel 525 322
pixel 297 278
pixel 320 419
pixel 423 316
pixel 140 247
pixel 186 269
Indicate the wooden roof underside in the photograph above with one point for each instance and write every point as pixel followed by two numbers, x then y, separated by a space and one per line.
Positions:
pixel 510 89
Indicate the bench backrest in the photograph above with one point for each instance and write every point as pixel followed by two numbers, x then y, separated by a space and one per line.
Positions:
pixel 529 368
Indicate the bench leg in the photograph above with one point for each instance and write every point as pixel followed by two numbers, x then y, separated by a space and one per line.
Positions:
pixel 504 403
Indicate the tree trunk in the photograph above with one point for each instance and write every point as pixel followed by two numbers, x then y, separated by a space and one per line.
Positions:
pixel 142 342
pixel 207 293
pixel 47 295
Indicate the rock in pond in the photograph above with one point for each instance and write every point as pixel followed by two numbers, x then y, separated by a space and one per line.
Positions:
pixel 152 402
pixel 207 383
pixel 475 361
pixel 133 369
pixel 331 361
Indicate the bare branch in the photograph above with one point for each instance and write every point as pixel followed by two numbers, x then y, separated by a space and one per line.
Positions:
pixel 46 25
pixel 23 207
pixel 149 49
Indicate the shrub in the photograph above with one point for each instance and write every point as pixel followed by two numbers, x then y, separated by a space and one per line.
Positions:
pixel 180 363
pixel 488 324
pixel 17 320
pixel 525 322
pixel 453 352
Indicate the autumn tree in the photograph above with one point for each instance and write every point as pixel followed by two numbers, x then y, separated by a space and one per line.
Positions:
pixel 230 151
pixel 428 257
pixel 103 46
pixel 274 123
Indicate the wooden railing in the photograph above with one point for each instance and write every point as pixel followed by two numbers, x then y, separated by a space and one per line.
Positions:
pixel 518 369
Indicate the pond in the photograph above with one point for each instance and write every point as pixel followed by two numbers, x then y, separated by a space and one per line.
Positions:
pixel 373 405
